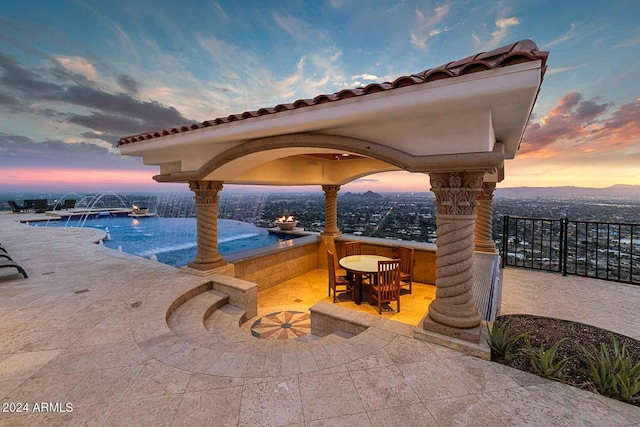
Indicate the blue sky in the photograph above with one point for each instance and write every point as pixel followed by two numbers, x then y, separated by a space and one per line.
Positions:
pixel 77 75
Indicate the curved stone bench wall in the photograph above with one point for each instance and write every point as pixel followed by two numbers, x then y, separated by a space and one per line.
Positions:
pixel 424 256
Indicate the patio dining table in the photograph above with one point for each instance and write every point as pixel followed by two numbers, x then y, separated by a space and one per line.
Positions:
pixel 361 265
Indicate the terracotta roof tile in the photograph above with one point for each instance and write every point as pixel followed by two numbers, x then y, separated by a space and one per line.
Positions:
pixel 515 53
pixel 321 99
pixel 406 81
pixel 474 67
pixel 300 103
pixel 461 62
pixel 348 93
pixel 437 74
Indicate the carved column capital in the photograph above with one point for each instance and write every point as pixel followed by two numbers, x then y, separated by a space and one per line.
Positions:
pixel 456 191
pixel 206 192
pixel 484 219
pixel 486 194
pixel 331 190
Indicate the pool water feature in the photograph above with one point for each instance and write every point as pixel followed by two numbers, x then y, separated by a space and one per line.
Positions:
pixel 173 240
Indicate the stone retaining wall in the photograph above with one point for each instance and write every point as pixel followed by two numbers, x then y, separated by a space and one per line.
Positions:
pixel 242 294
pixel 273 267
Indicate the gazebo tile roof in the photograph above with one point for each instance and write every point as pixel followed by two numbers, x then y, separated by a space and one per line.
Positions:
pixel 474 67
pixel 515 53
pixel 403 81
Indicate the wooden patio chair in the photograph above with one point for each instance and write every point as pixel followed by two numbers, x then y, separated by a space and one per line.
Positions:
pixel 335 280
pixel 355 248
pixel 387 288
pixel 406 266
pixel 352 248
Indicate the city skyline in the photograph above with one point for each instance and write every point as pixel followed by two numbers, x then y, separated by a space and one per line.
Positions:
pixel 76 76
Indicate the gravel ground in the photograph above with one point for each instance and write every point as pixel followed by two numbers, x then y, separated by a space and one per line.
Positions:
pixel 548 331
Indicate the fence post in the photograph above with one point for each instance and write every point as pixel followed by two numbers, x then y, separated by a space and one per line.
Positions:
pixel 564 244
pixel 505 236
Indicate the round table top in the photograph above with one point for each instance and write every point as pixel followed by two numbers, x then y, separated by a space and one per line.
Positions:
pixel 362 263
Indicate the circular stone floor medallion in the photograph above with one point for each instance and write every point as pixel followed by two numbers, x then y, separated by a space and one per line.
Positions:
pixel 282 325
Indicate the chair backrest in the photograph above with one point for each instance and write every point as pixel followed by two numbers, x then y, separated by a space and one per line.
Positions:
pixel 14 206
pixel 389 280
pixel 352 248
pixel 331 267
pixel 41 203
pixel 406 259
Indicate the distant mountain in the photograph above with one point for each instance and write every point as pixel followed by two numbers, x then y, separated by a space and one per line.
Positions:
pixel 368 195
pixel 618 190
pixel 625 187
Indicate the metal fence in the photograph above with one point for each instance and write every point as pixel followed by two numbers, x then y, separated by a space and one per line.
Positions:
pixel 603 250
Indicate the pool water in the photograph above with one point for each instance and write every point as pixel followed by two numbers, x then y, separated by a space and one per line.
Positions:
pixel 172 240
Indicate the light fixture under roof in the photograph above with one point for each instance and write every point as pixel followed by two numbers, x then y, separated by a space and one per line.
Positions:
pixel 335 156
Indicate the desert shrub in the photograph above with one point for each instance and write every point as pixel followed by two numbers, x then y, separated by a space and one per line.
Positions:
pixel 613 373
pixel 501 340
pixel 542 361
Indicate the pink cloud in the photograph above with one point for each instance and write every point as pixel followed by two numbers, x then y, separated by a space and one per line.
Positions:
pixel 580 142
pixel 571 119
pixel 623 125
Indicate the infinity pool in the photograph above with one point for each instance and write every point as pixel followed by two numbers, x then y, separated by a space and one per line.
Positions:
pixel 172 240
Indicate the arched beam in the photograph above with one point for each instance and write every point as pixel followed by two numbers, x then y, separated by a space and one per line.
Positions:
pixel 312 141
pixel 298 170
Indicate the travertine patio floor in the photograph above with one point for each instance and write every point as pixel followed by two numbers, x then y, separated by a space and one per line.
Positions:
pixel 303 291
pixel 61 345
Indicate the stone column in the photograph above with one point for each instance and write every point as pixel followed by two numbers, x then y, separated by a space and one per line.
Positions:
pixel 484 219
pixel 331 210
pixel 330 232
pixel 206 195
pixel 453 310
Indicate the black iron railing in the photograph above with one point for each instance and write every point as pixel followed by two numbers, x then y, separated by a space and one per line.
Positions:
pixel 602 250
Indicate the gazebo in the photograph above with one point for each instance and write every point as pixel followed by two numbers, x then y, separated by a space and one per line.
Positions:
pixel 457 123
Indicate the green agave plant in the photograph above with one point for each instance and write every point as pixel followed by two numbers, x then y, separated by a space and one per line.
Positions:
pixel 542 361
pixel 501 340
pixel 613 373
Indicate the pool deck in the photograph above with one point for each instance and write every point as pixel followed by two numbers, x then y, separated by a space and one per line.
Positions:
pixel 68 334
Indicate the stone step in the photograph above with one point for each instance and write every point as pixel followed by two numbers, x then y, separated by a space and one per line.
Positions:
pixel 225 323
pixel 188 319
pixel 196 329
pixel 209 337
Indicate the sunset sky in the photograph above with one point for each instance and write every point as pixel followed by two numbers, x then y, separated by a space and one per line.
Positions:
pixel 75 76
